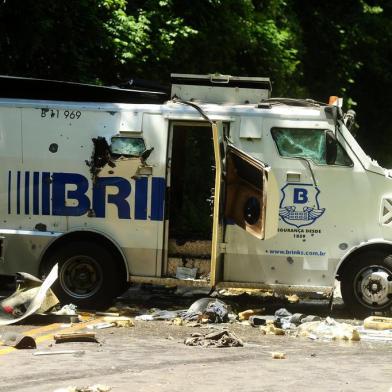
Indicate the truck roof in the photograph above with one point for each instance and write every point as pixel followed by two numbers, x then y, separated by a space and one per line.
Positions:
pixel 41 92
pixel 43 89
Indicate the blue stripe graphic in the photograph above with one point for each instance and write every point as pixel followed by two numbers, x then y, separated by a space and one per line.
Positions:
pixel 18 192
pixel 36 193
pixel 157 198
pixel 27 193
pixel 141 198
pixel 45 193
pixel 9 191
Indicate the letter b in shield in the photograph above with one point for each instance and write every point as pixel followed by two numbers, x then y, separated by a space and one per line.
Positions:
pixel 300 196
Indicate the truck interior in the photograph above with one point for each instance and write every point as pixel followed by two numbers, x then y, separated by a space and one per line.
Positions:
pixel 192 176
pixel 191 180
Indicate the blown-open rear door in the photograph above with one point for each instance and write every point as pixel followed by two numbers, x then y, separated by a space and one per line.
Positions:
pixel 246 194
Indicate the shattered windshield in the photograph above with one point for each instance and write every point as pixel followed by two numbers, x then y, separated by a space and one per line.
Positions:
pixel 303 143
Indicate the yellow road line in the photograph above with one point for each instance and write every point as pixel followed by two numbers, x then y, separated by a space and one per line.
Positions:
pixel 55 326
pixel 7 350
pixel 37 331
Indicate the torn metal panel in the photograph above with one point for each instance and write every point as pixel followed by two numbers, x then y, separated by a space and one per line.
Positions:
pixel 125 158
pixel 100 157
pixel 36 297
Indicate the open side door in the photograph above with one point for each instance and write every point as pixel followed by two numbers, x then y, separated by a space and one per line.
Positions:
pixel 246 193
pixel 219 192
pixel 252 196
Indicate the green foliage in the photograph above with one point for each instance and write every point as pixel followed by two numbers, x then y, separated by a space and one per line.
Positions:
pixel 192 218
pixel 309 49
pixel 235 37
pixel 349 53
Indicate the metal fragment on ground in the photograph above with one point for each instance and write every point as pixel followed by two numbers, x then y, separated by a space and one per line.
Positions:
pixel 210 309
pixel 214 339
pixel 17 340
pixel 75 337
pixel 62 352
pixel 24 303
pixel 100 326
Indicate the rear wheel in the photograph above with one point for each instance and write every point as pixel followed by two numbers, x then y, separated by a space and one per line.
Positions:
pixel 367 283
pixel 88 274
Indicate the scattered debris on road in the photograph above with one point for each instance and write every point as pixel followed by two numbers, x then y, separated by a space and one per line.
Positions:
pixel 100 326
pixel 75 337
pixel 76 353
pixel 278 355
pixel 377 322
pixel 375 335
pixel 67 310
pixel 108 314
pixel 328 329
pixel 17 340
pixel 246 314
pixel 208 309
pixel 32 296
pixel 92 388
pixel 204 310
pixel 186 273
pixel 214 339
pixel 119 321
pixel 271 329
pixel 293 299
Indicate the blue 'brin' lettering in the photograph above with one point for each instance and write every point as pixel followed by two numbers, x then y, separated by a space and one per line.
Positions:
pixel 118 199
pixel 60 194
pixel 300 196
pixel 71 194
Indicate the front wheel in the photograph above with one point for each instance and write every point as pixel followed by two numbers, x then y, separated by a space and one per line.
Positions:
pixel 88 274
pixel 366 283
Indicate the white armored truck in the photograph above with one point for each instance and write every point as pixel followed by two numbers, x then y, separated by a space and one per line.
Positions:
pixel 216 184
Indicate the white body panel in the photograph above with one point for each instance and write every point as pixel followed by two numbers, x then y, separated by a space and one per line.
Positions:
pixel 352 200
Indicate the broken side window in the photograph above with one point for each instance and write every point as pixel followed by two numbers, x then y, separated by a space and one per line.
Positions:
pixel 301 143
pixel 127 146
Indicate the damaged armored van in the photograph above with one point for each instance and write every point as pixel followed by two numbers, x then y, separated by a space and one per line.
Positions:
pixel 215 184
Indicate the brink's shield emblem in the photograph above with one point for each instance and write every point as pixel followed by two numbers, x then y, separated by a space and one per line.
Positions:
pixel 299 205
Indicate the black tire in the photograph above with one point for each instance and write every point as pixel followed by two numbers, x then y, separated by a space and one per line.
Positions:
pixel 88 275
pixel 365 283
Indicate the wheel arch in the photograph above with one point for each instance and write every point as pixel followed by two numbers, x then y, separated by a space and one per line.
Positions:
pixel 380 245
pixel 86 235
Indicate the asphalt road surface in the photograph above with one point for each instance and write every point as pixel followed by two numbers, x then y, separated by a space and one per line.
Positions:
pixel 151 356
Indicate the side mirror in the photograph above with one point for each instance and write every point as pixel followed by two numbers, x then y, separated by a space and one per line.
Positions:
pixel 349 119
pixel 331 148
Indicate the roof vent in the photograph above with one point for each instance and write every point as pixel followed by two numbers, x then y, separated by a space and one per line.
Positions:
pixel 221 89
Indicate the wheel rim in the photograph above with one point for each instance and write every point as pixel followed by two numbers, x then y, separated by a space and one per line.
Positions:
pixel 81 276
pixel 372 286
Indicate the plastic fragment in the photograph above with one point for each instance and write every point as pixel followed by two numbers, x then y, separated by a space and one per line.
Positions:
pixel 278 355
